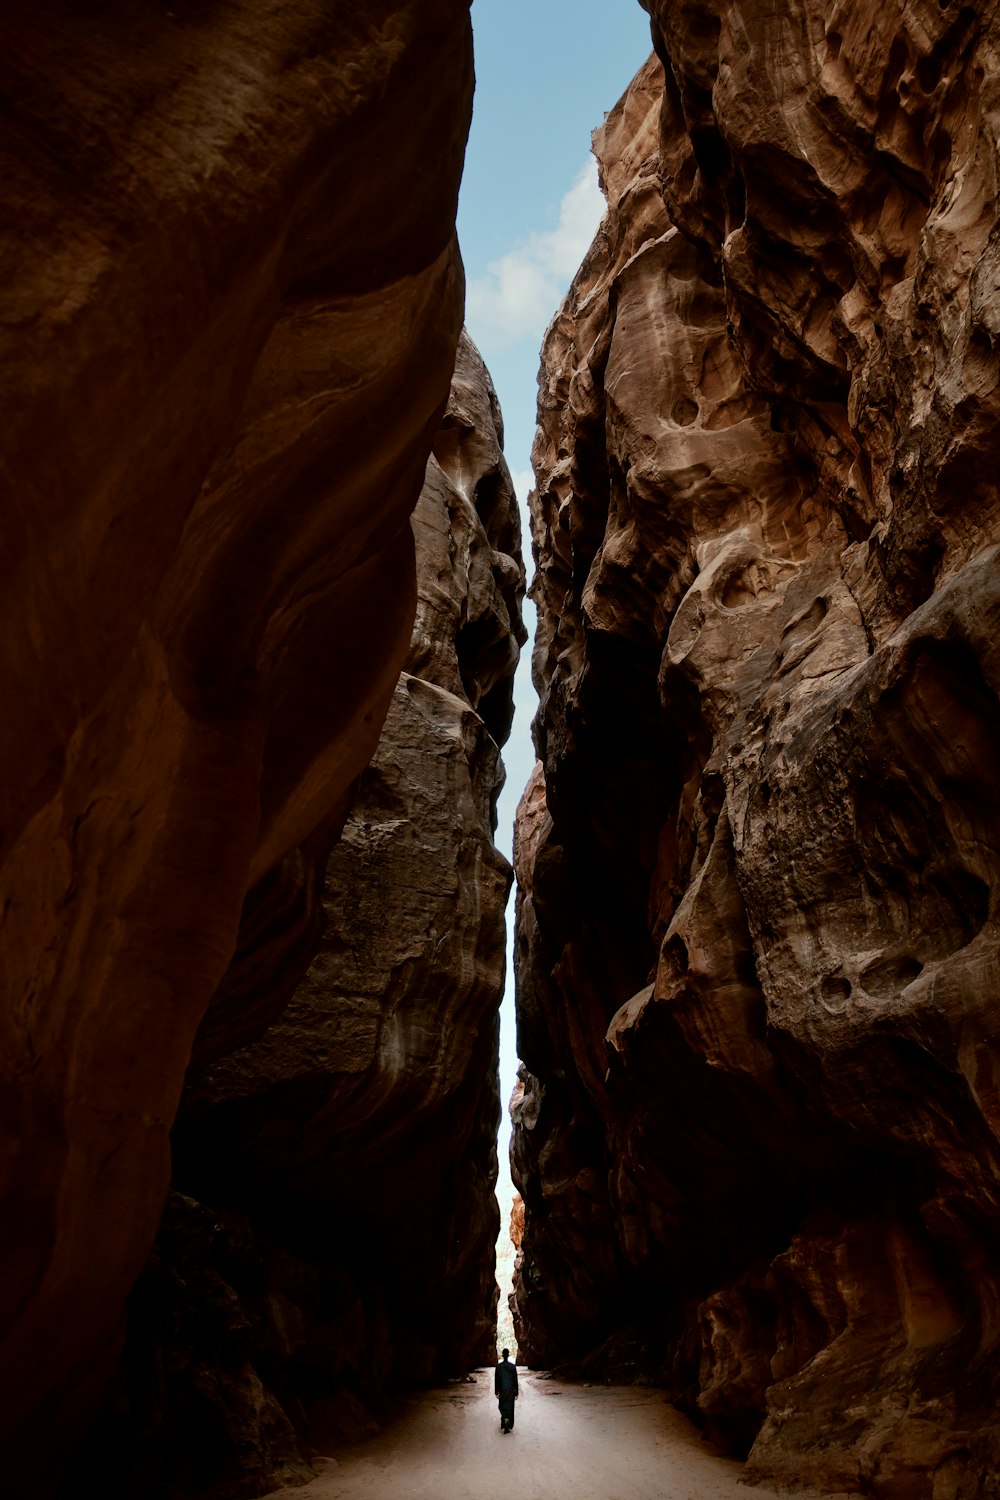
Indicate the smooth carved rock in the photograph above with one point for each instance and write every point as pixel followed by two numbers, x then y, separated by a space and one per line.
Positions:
pixel 757 944
pixel 223 364
pixel 349 1153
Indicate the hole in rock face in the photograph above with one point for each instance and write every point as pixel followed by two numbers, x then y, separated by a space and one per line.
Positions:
pixel 495 511
pixel 964 901
pixel 896 65
pixel 676 949
pixel 737 592
pixel 888 975
pixel 929 73
pixel 483 650
pixel 684 411
pixel 835 991
pixel 711 152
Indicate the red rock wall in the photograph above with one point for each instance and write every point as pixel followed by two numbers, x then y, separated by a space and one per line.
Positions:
pixel 757 940
pixel 333 1226
pixel 229 323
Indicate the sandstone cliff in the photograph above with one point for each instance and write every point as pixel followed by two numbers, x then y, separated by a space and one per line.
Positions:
pixel 757 943
pixel 229 324
pixel 333 1228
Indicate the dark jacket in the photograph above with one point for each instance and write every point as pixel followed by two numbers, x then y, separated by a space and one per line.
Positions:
pixel 505 1379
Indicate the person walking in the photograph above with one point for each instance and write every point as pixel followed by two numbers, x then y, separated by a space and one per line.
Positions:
pixel 505 1389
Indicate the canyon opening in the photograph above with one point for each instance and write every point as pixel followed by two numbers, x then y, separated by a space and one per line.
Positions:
pixel 288 524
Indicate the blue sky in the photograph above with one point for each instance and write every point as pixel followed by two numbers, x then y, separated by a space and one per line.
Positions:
pixel 547 71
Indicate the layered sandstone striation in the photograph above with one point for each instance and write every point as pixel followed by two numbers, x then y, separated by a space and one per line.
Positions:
pixel 757 939
pixel 333 1226
pixel 229 324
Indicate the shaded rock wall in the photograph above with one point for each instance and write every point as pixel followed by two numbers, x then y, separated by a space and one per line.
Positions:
pixel 333 1229
pixel 757 940
pixel 229 325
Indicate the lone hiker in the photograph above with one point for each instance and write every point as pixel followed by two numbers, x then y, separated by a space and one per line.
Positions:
pixel 505 1387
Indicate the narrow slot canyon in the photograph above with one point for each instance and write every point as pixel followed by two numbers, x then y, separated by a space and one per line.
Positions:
pixel 289 953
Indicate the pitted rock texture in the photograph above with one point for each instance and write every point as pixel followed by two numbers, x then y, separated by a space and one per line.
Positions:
pixel 223 362
pixel 757 934
pixel 348 1154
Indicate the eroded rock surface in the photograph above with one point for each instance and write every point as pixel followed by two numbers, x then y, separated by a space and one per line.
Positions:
pixel 757 946
pixel 334 1227
pixel 229 324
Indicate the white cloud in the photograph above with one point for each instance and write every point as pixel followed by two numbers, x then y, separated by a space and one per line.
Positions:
pixel 521 291
pixel 523 481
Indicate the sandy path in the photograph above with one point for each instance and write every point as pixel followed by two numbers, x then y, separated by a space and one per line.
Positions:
pixel 569 1442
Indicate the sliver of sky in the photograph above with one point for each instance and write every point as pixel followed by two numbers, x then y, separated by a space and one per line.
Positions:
pixel 547 72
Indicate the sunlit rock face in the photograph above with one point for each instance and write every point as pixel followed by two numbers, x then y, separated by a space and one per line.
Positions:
pixel 229 324
pixel 757 947
pixel 334 1226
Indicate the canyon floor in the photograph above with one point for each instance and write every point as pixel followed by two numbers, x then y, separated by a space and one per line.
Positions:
pixel 572 1441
